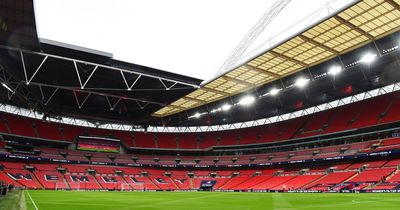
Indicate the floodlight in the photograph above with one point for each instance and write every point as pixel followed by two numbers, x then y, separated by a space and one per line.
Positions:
pixel 7 87
pixel 214 110
pixel 274 91
pixel 301 82
pixel 197 115
pixel 226 107
pixel 247 100
pixel 334 70
pixel 368 58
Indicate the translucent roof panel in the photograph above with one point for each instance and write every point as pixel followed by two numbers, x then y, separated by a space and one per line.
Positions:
pixel 191 38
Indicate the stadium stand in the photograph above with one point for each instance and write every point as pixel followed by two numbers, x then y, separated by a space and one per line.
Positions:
pixel 356 115
pixel 104 171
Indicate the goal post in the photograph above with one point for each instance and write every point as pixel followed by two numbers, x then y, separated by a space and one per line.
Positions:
pixel 75 186
pixel 132 187
pixel 126 187
pixel 70 186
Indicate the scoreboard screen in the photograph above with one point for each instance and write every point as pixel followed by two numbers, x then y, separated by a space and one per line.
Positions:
pixel 208 183
pixel 98 144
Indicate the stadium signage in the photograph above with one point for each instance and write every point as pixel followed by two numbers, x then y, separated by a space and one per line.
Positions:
pixel 349 157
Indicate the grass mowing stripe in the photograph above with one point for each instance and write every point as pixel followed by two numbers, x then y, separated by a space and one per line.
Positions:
pixel 33 202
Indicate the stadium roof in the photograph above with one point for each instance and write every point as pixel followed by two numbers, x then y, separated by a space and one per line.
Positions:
pixel 188 38
pixel 62 80
pixel 360 24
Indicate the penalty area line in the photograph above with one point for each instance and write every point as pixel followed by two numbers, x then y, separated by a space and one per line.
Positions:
pixel 33 202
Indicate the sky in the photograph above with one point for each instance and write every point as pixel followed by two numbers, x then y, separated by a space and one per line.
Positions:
pixel 192 38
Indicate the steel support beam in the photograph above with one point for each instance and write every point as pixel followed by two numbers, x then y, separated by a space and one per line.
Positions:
pixel 29 79
pixel 51 96
pixel 312 41
pixel 238 81
pixel 176 107
pixel 129 87
pixel 252 68
pixel 112 107
pixel 142 106
pixel 393 4
pixel 96 64
pixel 352 26
pixel 84 100
pixel 98 93
pixel 288 58
pixel 215 91
pixel 193 99
pixel 167 87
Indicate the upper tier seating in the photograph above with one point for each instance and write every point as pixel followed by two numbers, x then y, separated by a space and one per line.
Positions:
pixel 368 114
pixel 393 112
pixel 378 110
pixel 315 124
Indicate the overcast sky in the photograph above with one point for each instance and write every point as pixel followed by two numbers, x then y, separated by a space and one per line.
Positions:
pixel 192 37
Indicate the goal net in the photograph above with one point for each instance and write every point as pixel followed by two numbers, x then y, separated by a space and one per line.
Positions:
pixel 75 186
pixel 70 186
pixel 132 187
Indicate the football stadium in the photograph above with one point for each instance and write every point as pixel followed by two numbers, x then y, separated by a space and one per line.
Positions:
pixel 193 105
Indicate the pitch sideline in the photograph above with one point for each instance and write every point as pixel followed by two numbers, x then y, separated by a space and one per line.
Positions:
pixel 33 202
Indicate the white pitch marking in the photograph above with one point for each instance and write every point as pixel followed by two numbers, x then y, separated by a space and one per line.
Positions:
pixel 33 202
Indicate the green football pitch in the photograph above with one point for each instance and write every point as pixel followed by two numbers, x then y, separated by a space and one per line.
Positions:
pixel 81 200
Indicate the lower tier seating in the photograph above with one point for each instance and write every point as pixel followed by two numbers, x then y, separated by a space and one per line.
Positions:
pixel 93 177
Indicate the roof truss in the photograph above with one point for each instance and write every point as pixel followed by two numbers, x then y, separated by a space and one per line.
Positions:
pixel 353 27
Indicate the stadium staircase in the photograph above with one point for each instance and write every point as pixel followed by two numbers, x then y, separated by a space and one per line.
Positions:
pixel 5 178
pixel 392 174
pixel 65 181
pixel 387 109
pixel 226 183
pixel 154 183
pixel 313 182
pixel 97 182
pixel 299 129
pixel 126 181
pixel 35 179
pixel 329 123
pixel 243 182
pixel 351 177
pixel 383 181
pixel 191 183
pixel 235 182
pixel 254 181
pixel 173 183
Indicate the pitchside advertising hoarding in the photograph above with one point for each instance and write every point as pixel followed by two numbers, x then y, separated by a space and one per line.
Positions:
pixel 98 144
